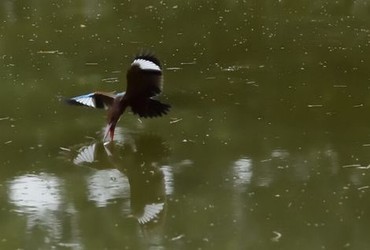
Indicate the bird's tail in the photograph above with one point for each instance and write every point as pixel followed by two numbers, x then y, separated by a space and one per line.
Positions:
pixel 150 108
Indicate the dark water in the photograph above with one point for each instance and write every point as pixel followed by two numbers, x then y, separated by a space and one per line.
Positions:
pixel 267 145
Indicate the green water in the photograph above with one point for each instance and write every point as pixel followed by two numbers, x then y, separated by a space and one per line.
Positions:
pixel 267 145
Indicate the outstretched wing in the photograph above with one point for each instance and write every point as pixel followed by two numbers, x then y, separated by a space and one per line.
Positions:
pixel 149 108
pixel 95 100
pixel 144 81
pixel 144 78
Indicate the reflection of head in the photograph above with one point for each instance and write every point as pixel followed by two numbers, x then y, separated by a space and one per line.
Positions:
pixel 138 159
pixel 147 148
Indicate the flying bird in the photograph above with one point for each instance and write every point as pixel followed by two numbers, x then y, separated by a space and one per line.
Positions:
pixel 144 84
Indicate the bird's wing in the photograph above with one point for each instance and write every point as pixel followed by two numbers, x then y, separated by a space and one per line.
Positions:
pixel 144 78
pixel 95 100
pixel 149 108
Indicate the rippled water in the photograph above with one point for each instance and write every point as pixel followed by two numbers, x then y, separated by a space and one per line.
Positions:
pixel 266 145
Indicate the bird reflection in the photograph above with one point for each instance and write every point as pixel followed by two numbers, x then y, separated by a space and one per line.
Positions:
pixel 130 167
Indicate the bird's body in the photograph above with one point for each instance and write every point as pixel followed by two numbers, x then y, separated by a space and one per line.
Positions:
pixel 144 84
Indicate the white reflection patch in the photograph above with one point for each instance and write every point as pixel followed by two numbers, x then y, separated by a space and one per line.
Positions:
pixel 40 197
pixel 106 185
pixel 35 192
pixel 242 172
pixel 168 179
pixel 280 153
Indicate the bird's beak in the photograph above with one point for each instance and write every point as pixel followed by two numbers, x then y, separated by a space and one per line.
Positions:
pixel 109 129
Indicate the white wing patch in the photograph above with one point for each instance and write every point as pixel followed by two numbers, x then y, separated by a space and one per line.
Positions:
pixel 121 94
pixel 146 64
pixel 86 100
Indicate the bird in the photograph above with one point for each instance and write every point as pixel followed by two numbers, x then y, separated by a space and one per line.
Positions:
pixel 144 83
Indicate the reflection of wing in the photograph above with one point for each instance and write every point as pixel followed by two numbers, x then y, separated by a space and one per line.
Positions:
pixel 95 100
pixel 86 154
pixel 151 211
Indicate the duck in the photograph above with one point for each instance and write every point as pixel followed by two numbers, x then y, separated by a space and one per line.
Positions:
pixel 144 83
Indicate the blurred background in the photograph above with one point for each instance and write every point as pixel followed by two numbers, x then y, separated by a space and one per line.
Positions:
pixel 267 145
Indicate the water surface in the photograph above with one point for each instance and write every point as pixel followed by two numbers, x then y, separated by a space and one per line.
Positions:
pixel 266 146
